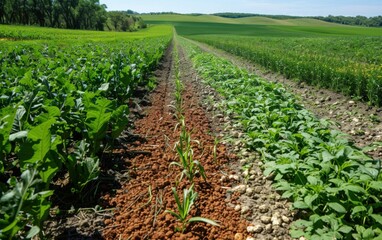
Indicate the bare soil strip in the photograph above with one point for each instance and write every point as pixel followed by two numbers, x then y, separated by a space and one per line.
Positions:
pixel 362 122
pixel 141 203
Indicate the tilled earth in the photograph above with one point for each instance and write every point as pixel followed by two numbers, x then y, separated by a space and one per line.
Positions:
pixel 141 203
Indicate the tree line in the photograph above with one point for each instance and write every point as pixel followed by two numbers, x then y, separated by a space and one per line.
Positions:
pixel 358 20
pixel 71 14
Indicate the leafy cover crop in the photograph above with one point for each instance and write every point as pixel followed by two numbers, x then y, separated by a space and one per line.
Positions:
pixel 60 108
pixel 335 185
pixel 351 65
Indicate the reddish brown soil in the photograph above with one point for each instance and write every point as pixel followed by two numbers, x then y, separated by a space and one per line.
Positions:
pixel 141 203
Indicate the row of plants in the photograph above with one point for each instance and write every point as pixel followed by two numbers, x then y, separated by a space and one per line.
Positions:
pixel 190 168
pixel 61 108
pixel 352 65
pixel 334 185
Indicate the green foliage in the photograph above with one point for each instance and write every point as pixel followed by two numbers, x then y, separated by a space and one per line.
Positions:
pixel 60 107
pixel 82 168
pixel 317 168
pixel 190 167
pixel 24 203
pixel 184 207
pixel 7 115
pixel 123 21
pixel 98 115
pixel 80 14
pixel 350 65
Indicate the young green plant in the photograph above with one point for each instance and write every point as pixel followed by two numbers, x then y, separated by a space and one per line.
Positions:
pixel 190 166
pixel 184 208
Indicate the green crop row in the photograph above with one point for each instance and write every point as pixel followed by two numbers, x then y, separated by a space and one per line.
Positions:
pixel 61 107
pixel 352 65
pixel 336 187
pixel 9 34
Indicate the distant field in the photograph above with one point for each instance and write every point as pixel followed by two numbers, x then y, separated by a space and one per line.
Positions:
pixel 258 26
pixel 246 20
pixel 340 57
pixel 186 18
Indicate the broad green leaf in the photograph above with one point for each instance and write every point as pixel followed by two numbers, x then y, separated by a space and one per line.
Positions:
pixel 354 188
pixel 337 207
pixel 97 118
pixel 51 112
pixel 309 199
pixel 377 185
pixel 38 144
pixel 312 180
pixel 326 156
pixel 368 234
pixel 358 209
pixel 345 229
pixel 7 116
pixel 377 218
pixel 27 80
pixel 120 120
pixel 300 205
pixel 297 233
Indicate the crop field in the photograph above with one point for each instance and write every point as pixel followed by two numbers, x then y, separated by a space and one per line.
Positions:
pixel 63 101
pixel 169 133
pixel 342 58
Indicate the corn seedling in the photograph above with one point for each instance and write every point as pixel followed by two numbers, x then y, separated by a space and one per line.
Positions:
pixel 184 208
pixel 190 166
pixel 178 98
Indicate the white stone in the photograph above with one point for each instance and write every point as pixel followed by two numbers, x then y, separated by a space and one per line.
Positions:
pixel 285 219
pixel 265 219
pixel 239 188
pixel 249 191
pixel 255 229
pixel 234 177
pixel 244 209
pixel 276 220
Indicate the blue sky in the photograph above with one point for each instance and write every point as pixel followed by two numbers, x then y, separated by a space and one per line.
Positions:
pixel 287 7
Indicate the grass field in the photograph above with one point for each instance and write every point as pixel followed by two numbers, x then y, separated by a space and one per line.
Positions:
pixel 246 20
pixel 258 26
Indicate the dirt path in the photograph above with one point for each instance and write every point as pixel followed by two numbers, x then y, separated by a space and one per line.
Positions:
pixel 141 203
pixel 362 122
